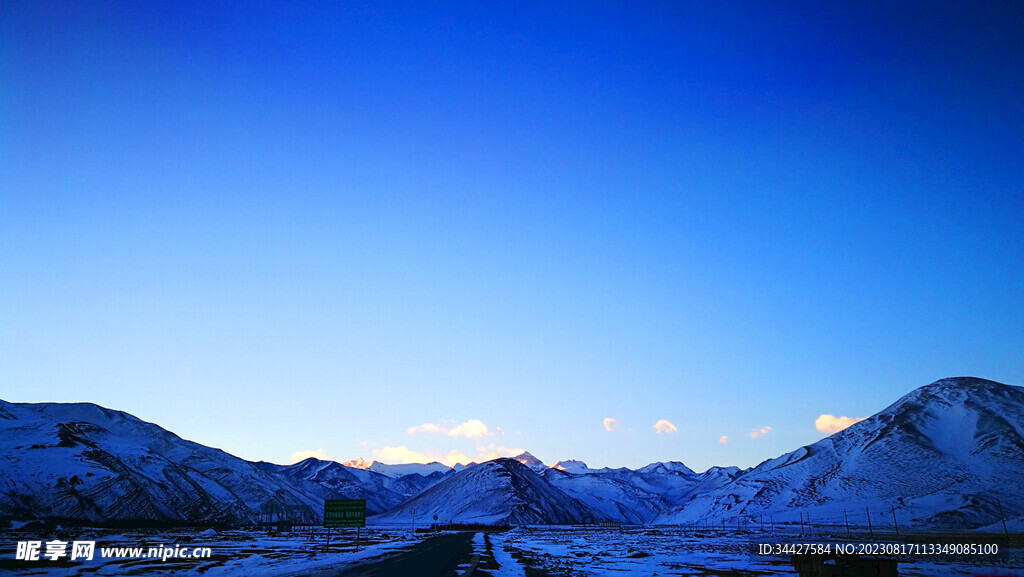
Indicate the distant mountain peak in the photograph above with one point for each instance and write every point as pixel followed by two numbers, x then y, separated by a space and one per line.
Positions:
pixel 501 491
pixel 570 465
pixel 530 461
pixel 667 466
pixel 402 469
pixel 359 463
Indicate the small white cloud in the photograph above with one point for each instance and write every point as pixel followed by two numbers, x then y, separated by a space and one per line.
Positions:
pixel 831 424
pixel 303 455
pixel 401 455
pixel 428 428
pixel 760 432
pixel 472 428
pixel 609 423
pixel 723 439
pixel 663 426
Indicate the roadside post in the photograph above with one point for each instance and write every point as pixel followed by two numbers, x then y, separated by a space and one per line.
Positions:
pixel 344 513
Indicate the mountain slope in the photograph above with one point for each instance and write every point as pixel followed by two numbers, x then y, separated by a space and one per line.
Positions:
pixel 636 496
pixel 612 495
pixel 530 461
pixel 502 491
pixel 80 461
pixel 396 471
pixel 328 479
pixel 941 456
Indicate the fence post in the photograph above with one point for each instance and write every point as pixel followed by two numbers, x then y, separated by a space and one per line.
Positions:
pixel 870 531
pixel 894 523
pixel 846 519
pixel 1003 519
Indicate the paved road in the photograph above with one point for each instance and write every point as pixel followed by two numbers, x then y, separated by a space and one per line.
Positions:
pixel 433 557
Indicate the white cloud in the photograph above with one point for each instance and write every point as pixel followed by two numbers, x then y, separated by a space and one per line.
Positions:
pixel 663 426
pixel 832 424
pixel 471 429
pixel 303 455
pixel 723 439
pixel 401 454
pixel 609 423
pixel 425 428
pixel 760 432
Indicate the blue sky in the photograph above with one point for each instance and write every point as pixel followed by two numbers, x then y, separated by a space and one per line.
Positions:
pixel 279 229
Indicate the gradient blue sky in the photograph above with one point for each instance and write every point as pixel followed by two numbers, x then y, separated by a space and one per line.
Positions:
pixel 276 228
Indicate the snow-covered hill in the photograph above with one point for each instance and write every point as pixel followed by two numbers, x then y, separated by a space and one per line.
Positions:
pixel 80 461
pixel 613 495
pixel 666 467
pixel 941 456
pixel 396 471
pixel 572 465
pixel 327 479
pixel 496 492
pixel 530 461
pixel 632 496
pixel 945 455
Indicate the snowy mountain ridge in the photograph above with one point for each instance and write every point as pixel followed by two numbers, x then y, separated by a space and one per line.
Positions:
pixel 502 491
pixel 948 454
pixel 80 461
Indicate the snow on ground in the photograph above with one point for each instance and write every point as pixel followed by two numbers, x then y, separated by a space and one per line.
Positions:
pixel 507 565
pixel 234 553
pixel 557 551
pixel 672 551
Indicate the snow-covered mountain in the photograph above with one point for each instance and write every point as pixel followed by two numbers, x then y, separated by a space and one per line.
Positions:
pixel 328 478
pixel 358 463
pixel 941 456
pixel 397 471
pixel 496 492
pixel 530 461
pixel 80 461
pixel 616 496
pixel 947 454
pixel 84 462
pixel 572 466
pixel 632 496
pixel 666 467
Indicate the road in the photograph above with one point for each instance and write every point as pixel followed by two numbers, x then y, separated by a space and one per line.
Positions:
pixel 433 557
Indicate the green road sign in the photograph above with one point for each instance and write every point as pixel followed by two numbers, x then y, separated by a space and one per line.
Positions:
pixel 345 513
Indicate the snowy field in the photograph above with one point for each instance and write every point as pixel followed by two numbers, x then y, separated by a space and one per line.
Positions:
pixel 669 551
pixel 233 552
pixel 519 552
